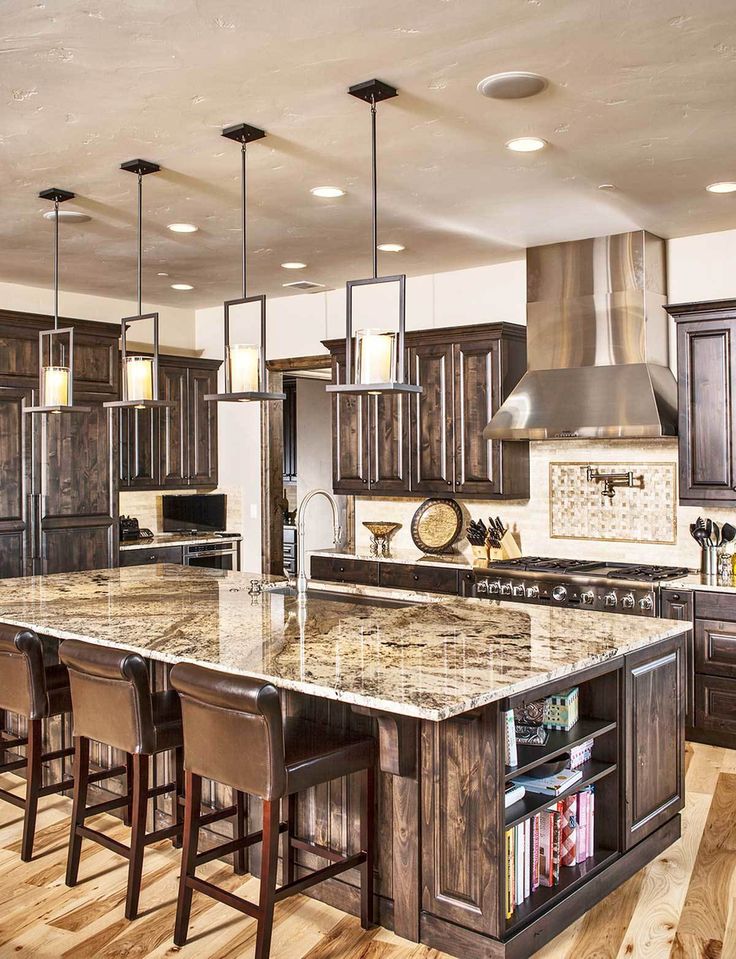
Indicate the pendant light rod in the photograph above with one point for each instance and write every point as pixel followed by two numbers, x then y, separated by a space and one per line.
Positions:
pixel 243 133
pixel 141 168
pixel 57 196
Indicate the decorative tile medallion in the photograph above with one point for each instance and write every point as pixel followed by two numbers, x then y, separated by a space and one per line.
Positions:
pixel 644 513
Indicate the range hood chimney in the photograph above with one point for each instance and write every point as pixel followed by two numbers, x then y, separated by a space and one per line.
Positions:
pixel 597 344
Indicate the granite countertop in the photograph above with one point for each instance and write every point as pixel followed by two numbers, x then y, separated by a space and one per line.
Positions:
pixel 696 581
pixel 431 658
pixel 409 557
pixel 176 539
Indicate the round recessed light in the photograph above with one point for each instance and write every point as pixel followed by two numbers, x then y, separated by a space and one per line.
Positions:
pixel 391 247
pixel 327 192
pixel 181 286
pixel 513 85
pixel 722 186
pixel 293 265
pixel 607 186
pixel 162 274
pixel 526 144
pixel 182 228
pixel 69 216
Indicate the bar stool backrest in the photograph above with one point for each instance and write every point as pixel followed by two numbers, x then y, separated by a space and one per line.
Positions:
pixel 111 696
pixel 233 731
pixel 22 673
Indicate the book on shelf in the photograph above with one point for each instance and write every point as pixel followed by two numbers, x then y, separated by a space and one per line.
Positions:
pixel 513 794
pixel 550 785
pixel 512 758
pixel 582 753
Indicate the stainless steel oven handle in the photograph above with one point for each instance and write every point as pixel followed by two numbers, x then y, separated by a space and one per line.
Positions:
pixel 204 554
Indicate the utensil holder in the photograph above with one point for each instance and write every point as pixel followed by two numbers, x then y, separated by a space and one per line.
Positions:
pixel 710 561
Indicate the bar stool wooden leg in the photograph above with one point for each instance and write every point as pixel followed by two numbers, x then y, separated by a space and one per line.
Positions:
pixel 128 811
pixel 193 792
pixel 33 773
pixel 239 861
pixel 79 803
pixel 289 851
pixel 178 809
pixel 269 865
pixel 367 836
pixel 138 835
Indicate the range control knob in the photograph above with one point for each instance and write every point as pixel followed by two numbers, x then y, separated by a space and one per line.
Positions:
pixel 610 599
pixel 482 585
pixel 646 603
pixel 494 586
pixel 559 594
pixel 628 601
pixel 587 598
pixel 505 589
pixel 517 590
pixel 532 592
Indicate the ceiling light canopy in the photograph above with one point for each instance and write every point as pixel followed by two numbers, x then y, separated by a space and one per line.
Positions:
pixel 526 144
pixel 327 192
pixel 722 186
pixel 293 265
pixel 182 228
pixel 181 286
pixel 391 247
pixel 512 85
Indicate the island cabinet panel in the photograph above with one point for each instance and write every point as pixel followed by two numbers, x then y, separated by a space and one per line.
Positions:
pixel 15 482
pixel 340 570
pixel 655 738
pixel 462 828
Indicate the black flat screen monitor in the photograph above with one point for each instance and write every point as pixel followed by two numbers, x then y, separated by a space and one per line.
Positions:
pixel 205 514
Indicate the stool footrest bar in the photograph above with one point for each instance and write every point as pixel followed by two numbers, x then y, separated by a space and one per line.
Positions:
pixel 320 875
pixel 104 840
pixel 221 895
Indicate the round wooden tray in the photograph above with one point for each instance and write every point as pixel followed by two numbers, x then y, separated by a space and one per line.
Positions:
pixel 436 525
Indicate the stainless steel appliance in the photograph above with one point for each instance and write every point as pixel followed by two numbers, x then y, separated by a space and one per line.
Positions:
pixel 628 588
pixel 220 555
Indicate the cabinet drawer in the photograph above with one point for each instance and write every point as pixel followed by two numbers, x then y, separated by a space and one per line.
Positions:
pixel 715 647
pixel 345 570
pixel 677 604
pixel 147 557
pixel 715 704
pixel 429 578
pixel 715 606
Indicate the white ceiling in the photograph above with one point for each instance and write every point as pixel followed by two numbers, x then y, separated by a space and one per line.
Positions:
pixel 641 95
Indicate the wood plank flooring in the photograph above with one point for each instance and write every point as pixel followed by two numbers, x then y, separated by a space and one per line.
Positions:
pixel 682 906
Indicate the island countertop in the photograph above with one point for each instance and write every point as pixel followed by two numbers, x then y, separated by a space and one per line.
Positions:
pixel 433 658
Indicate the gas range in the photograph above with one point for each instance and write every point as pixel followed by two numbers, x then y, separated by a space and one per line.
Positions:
pixel 629 588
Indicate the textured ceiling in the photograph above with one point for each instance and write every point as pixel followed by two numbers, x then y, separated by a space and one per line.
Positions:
pixel 641 95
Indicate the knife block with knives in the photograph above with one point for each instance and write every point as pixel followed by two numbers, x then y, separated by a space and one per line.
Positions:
pixel 492 542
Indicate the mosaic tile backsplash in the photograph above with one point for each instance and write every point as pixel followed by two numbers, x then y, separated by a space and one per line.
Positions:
pixel 644 513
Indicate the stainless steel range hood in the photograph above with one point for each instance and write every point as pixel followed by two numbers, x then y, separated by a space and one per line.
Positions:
pixel 597 344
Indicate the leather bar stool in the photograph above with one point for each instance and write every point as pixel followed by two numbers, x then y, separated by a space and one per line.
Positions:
pixel 36 690
pixel 235 735
pixel 113 704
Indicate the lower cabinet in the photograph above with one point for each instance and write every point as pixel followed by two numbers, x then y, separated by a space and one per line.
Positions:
pixel 430 579
pixel 715 706
pixel 344 570
pixel 149 557
pixel 655 738
pixel 714 669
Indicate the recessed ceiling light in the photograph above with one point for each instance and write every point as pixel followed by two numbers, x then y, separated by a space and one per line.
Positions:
pixel 513 85
pixel 327 192
pixel 162 274
pixel 722 186
pixel 293 265
pixel 391 247
pixel 526 144
pixel 182 228
pixel 181 286
pixel 71 216
pixel 607 186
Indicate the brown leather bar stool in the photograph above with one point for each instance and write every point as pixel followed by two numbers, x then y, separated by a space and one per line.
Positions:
pixel 235 735
pixel 113 704
pixel 33 689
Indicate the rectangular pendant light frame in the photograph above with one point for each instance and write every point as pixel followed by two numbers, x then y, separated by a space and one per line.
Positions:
pixel 125 403
pixel 395 386
pixel 252 395
pixel 48 335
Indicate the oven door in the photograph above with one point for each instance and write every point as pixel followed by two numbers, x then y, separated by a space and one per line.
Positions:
pixel 212 557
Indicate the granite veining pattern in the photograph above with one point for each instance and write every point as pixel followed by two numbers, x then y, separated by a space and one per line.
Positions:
pixel 432 658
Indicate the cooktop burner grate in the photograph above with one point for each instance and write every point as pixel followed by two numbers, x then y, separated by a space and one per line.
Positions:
pixel 626 571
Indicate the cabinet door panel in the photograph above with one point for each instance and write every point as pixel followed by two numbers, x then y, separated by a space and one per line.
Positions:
pixel 349 437
pixel 431 419
pixel 15 479
pixel 96 365
pixel 715 705
pixel 706 362
pixel 202 428
pixel 69 549
pixel 173 437
pixel 715 647
pixel 388 437
pixel 139 448
pixel 476 378
pixel 655 737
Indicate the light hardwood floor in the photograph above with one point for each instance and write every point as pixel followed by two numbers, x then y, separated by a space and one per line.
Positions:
pixel 682 906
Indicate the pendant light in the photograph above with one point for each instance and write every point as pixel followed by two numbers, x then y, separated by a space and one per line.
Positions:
pixel 245 358
pixel 139 373
pixel 56 347
pixel 379 364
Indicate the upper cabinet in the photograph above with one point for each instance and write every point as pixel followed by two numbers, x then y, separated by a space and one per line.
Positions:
pixel 432 443
pixel 706 363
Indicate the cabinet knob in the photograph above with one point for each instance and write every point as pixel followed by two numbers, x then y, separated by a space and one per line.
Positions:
pixel 449 482
pixel 365 480
pixel 415 578
pixel 152 557
pixel 675 597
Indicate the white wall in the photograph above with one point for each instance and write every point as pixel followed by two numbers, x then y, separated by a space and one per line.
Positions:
pixel 702 267
pixel 176 326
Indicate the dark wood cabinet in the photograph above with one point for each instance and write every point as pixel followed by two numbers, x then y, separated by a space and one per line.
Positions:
pixel 289 412
pixel 173 462
pixel 202 426
pixel 392 575
pixel 151 555
pixel 432 443
pixel 655 738
pixel 706 361
pixel 139 465
pixel 680 604
pixel 15 482
pixel 713 717
pixel 339 570
pixel 431 579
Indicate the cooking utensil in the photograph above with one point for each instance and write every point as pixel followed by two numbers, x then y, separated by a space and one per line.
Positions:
pixel 728 533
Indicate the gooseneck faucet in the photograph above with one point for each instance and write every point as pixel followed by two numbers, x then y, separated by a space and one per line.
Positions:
pixel 302 582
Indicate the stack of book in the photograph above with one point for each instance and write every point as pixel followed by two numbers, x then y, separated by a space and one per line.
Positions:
pixel 560 836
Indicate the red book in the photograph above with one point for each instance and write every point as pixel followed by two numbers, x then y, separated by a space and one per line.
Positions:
pixel 569 837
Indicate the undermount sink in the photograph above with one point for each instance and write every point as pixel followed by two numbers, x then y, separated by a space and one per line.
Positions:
pixel 334 596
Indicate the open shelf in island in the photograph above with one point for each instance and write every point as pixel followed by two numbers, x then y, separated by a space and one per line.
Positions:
pixel 533 803
pixel 558 742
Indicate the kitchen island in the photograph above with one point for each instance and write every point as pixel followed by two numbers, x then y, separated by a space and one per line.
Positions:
pixel 431 677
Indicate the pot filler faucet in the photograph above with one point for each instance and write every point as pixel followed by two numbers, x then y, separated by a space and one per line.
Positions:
pixel 302 582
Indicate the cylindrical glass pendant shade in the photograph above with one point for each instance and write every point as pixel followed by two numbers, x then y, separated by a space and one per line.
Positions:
pixel 139 378
pixel 56 382
pixel 245 361
pixel 375 356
